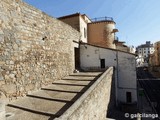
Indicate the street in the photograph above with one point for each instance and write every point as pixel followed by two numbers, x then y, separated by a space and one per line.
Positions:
pixel 151 86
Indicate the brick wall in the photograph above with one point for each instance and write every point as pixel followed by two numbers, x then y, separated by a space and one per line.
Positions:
pixel 35 49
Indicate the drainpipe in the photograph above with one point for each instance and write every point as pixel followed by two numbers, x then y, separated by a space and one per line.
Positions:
pixel 117 86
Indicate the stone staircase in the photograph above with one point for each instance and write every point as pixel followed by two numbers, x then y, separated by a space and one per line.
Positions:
pixel 53 100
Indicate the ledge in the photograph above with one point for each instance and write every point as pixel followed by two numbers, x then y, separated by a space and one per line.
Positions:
pixel 77 104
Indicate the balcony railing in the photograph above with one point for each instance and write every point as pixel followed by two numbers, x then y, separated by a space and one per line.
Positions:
pixel 102 19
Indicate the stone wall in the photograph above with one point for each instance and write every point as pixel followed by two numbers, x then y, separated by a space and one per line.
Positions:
pixel 35 49
pixel 93 104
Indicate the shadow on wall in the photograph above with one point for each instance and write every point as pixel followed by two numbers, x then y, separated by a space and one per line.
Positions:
pixel 112 101
pixel 118 112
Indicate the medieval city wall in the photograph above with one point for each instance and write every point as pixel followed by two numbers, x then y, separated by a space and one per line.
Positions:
pixel 35 49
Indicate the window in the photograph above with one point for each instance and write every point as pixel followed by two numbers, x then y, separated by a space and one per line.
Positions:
pixel 85 33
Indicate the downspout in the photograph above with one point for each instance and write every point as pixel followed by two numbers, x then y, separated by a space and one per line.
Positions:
pixel 117 79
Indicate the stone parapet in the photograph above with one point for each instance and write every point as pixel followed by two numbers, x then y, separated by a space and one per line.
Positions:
pixel 93 104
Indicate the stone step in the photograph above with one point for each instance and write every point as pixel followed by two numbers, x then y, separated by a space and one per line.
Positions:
pixel 55 95
pixel 93 74
pixel 36 105
pixel 74 82
pixel 19 114
pixel 78 78
pixel 51 101
pixel 62 87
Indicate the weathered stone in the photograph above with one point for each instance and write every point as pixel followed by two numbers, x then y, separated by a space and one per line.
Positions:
pixel 6 77
pixel 11 62
pixel 1 78
pixel 12 76
pixel 33 51
pixel 15 47
pixel 30 87
pixel 9 88
pixel 2 62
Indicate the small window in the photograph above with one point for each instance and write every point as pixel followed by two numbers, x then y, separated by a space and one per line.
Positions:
pixel 85 33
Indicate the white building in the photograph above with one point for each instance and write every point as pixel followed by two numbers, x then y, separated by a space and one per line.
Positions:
pixel 139 60
pixel 95 57
pixel 78 22
pixel 144 50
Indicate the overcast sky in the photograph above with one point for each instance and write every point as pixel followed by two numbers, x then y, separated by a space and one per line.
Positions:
pixel 138 21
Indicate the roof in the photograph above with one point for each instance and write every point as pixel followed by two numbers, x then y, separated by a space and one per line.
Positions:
pixel 109 21
pixel 117 41
pixel 145 46
pixel 102 19
pixel 71 15
pixel 82 15
pixel 74 15
pixel 107 48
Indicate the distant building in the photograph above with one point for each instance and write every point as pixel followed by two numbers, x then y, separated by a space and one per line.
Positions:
pixel 154 59
pixel 157 53
pixel 145 50
pixel 139 60
pixel 121 46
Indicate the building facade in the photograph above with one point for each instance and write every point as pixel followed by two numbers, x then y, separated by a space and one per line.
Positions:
pixel 120 45
pixel 100 31
pixel 145 50
pixel 97 51
pixel 78 22
pixel 95 57
pixel 157 53
pixel 154 59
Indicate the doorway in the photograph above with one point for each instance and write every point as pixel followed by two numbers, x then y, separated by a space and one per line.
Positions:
pixel 128 97
pixel 77 58
pixel 102 63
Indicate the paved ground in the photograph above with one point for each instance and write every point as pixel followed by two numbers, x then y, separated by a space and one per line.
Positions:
pixel 151 86
pixel 156 74
pixel 144 106
pixel 51 101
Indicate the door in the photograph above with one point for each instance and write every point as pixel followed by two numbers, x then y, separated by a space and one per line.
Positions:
pixel 128 97
pixel 77 58
pixel 102 63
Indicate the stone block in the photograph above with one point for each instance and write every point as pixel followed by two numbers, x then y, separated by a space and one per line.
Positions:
pixel 2 110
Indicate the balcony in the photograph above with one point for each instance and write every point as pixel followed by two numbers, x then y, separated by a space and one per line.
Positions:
pixel 100 19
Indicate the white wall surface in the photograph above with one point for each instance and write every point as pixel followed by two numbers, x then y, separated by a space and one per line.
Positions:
pixel 83 25
pixel 90 56
pixel 126 81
